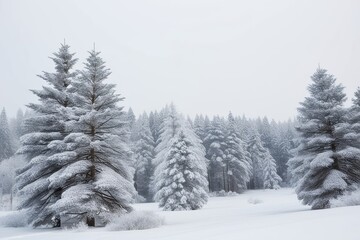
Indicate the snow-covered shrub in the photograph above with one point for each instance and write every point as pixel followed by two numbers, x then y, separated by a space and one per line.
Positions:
pixel 222 193
pixel 136 220
pixel 348 199
pixel 254 201
pixel 14 219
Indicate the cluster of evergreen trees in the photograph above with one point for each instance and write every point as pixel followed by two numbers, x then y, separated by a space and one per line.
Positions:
pixel 87 159
pixel 78 164
pixel 238 153
pixel 326 163
pixel 10 132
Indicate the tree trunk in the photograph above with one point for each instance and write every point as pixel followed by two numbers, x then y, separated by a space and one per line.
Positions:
pixel 209 182
pixel 224 179
pixel 11 199
pixel 90 221
pixel 227 178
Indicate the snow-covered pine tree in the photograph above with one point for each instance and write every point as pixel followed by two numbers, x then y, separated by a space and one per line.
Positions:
pixel 44 125
pixel 6 141
pixel 16 128
pixel 180 177
pixel 19 126
pixel 283 135
pixel 257 154
pixel 98 181
pixel 352 137
pixel 354 121
pixel 131 125
pixel 131 118
pixel 271 178
pixel 323 158
pixel 155 126
pixel 190 122
pixel 199 126
pixel 237 159
pixel 215 140
pixel 170 126
pixel 265 132
pixel 144 155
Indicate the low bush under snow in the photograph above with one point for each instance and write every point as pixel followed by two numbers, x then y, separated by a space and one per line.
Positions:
pixel 136 220
pixel 222 193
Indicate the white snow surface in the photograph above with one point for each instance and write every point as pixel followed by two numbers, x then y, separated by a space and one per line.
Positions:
pixel 278 215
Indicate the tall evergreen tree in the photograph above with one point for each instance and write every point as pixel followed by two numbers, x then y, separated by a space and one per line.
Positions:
pixel 199 126
pixel 215 140
pixel 6 141
pixel 265 132
pixel 170 126
pixel 19 127
pixel 258 153
pixel 16 128
pixel 44 126
pixel 271 178
pixel 97 181
pixel 155 126
pixel 353 136
pixel 237 159
pixel 324 161
pixel 144 156
pixel 283 144
pixel 131 124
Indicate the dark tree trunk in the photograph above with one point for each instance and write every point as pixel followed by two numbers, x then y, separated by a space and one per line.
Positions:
pixel 224 180
pixel 90 221
pixel 209 182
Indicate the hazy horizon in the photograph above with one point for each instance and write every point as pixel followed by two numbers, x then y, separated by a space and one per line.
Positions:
pixel 207 57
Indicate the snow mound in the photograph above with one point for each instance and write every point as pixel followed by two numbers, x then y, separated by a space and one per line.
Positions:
pixel 136 220
pixel 14 219
pixel 349 199
pixel 254 201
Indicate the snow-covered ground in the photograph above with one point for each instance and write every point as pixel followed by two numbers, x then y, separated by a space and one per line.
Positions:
pixel 277 215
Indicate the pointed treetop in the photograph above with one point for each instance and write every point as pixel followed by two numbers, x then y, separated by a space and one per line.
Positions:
pixel 3 117
pixel 356 100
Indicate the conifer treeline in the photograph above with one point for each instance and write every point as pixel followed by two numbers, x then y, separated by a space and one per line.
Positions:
pixel 240 153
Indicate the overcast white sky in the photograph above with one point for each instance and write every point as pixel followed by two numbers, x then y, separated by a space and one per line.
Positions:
pixel 206 56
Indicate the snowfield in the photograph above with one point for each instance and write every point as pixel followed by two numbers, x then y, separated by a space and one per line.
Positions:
pixel 254 215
